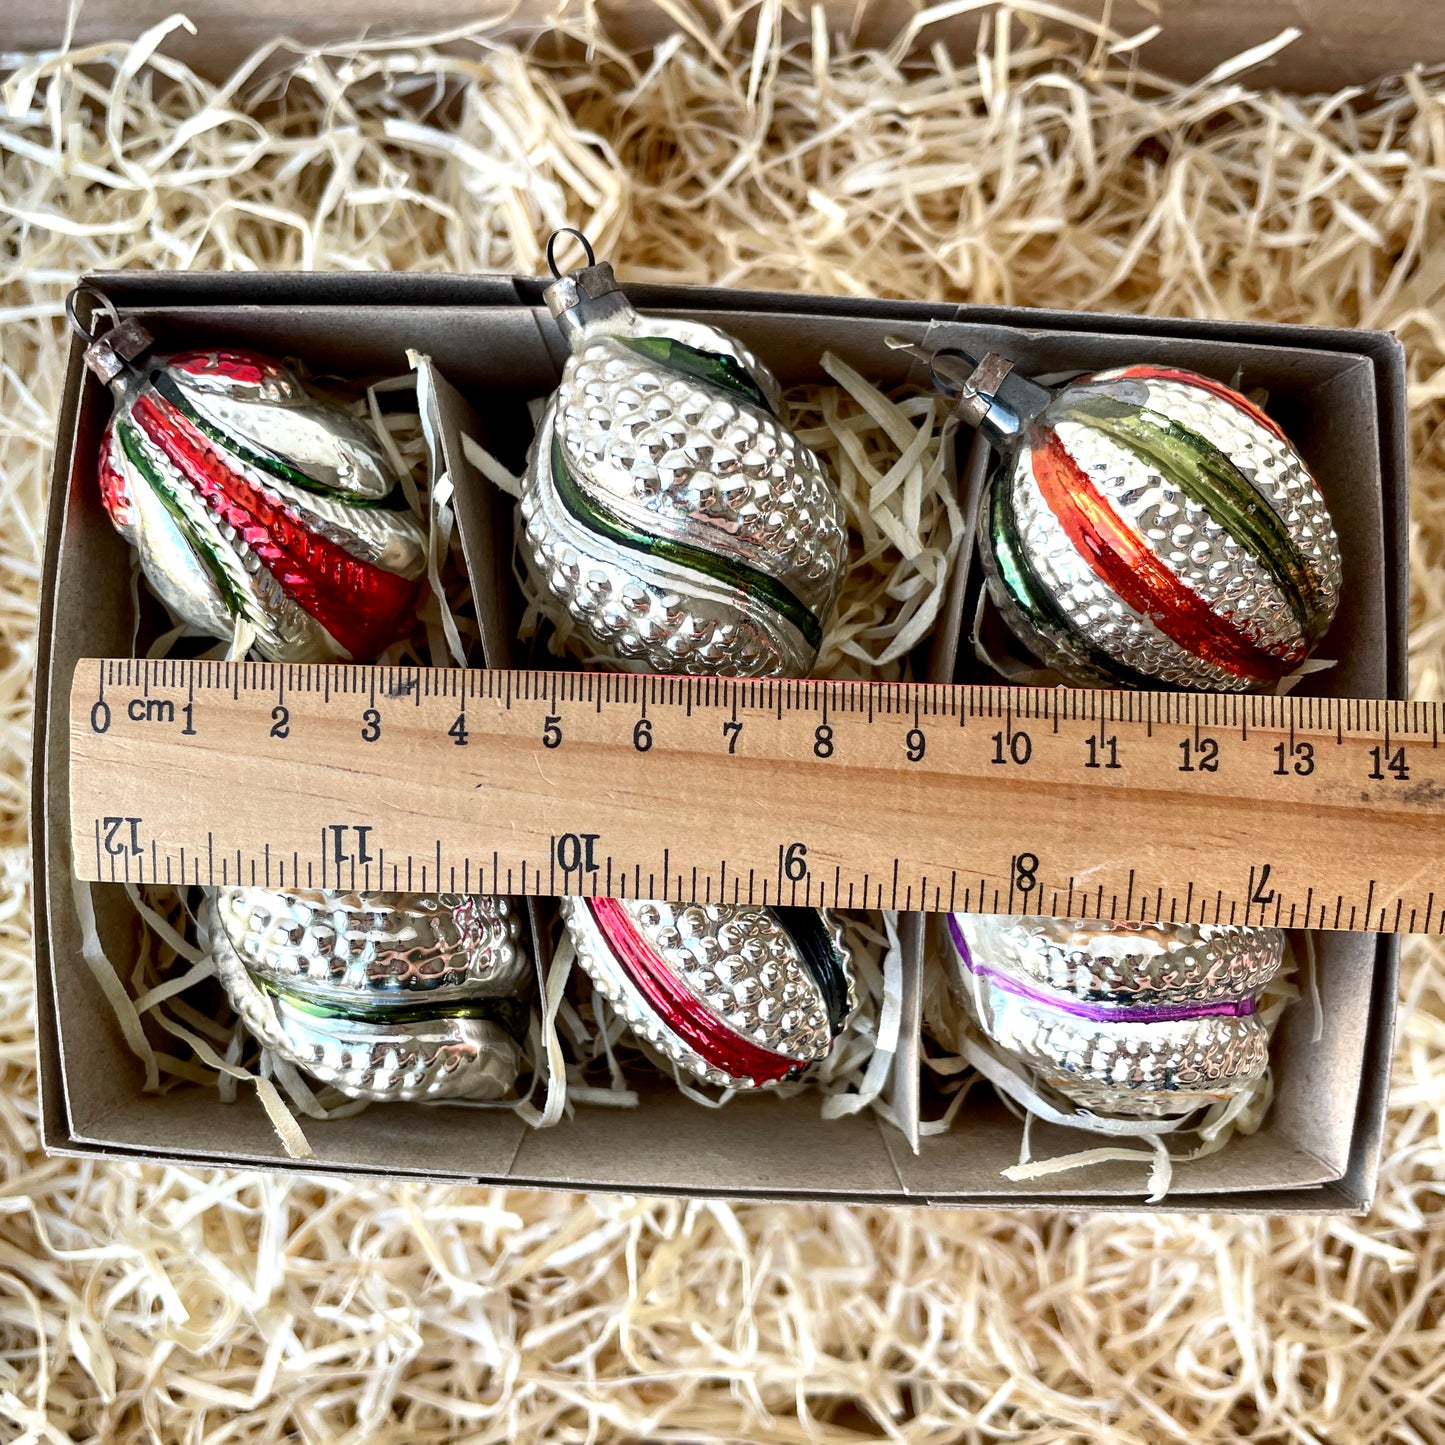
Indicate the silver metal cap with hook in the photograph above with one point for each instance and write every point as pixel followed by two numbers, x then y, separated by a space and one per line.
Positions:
pixel 110 353
pixel 584 299
pixel 988 394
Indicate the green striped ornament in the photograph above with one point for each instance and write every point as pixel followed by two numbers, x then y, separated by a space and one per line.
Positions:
pixel 668 508
pixel 1154 528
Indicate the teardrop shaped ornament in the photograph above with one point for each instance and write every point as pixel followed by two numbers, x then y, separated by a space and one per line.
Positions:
pixel 250 501
pixel 668 505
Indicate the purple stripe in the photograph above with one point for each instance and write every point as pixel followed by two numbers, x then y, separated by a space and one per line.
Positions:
pixel 1139 1013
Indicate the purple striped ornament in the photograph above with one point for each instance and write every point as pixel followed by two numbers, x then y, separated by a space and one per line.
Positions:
pixel 1133 1020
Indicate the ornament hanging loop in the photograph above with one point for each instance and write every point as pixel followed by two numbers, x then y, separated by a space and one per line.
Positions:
pixel 971 386
pixel 90 333
pixel 587 298
pixel 112 350
pixel 552 249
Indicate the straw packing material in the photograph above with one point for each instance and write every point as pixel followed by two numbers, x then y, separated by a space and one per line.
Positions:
pixel 141 1303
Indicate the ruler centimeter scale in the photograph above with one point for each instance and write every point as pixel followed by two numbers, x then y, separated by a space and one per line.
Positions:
pixel 1178 807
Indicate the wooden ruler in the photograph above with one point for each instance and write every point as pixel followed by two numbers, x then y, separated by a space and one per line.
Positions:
pixel 1199 807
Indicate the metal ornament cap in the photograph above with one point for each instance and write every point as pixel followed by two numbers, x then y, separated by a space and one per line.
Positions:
pixel 387 997
pixel 1151 527
pixel 667 505
pixel 1122 1019
pixel 738 996
pixel 250 500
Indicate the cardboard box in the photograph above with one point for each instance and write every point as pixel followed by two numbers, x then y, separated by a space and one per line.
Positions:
pixel 1342 42
pixel 1338 394
pixel 1342 395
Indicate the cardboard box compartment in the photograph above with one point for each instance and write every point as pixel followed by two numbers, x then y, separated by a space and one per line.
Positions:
pixel 1340 395
pixel 1342 42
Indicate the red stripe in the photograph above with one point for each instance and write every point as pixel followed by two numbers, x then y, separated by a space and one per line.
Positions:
pixel 362 606
pixel 703 1032
pixel 1125 562
pixel 245 367
pixel 114 489
pixel 1228 394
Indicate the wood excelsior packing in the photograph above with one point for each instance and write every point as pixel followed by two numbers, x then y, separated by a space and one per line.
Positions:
pixel 144 1303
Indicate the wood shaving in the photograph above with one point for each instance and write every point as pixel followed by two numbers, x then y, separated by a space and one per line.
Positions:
pixel 144 1304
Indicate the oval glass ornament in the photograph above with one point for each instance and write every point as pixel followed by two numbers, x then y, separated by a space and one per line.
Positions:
pixel 253 504
pixel 667 504
pixel 1124 1020
pixel 383 996
pixel 1148 527
pixel 738 996
pixel 673 513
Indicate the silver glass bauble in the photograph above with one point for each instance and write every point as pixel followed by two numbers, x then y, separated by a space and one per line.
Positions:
pixel 1122 1019
pixel 668 506
pixel 1148 527
pixel 735 995
pixel 252 502
pixel 384 996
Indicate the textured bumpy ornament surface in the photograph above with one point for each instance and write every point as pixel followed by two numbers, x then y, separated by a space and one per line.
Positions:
pixel 1151 527
pixel 667 505
pixel 737 996
pixel 251 501
pixel 384 996
pixel 1123 1019
pixel 686 529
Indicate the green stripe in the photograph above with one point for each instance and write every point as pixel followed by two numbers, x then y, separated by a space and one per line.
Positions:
pixel 1038 604
pixel 737 575
pixel 709 366
pixel 272 463
pixel 510 1013
pixel 136 454
pixel 1211 480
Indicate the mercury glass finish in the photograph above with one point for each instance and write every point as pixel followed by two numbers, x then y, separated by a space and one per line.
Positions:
pixel 384 996
pixel 754 1000
pixel 1130 1020
pixel 667 505
pixel 1151 527
pixel 250 500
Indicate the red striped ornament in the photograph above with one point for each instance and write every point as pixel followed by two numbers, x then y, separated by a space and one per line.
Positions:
pixel 1151 527
pixel 739 996
pixel 255 507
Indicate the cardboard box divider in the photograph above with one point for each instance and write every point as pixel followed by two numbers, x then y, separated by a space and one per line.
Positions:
pixel 1340 394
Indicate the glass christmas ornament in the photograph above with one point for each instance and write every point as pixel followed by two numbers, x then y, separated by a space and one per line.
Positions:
pixel 250 501
pixel 673 513
pixel 737 996
pixel 384 996
pixel 1129 1020
pixel 1148 527
pixel 668 506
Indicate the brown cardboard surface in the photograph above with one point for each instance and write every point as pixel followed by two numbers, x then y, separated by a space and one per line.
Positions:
pixel 482 524
pixel 1341 43
pixel 1318 1148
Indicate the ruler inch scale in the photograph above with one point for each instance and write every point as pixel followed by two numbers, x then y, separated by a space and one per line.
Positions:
pixel 1171 807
